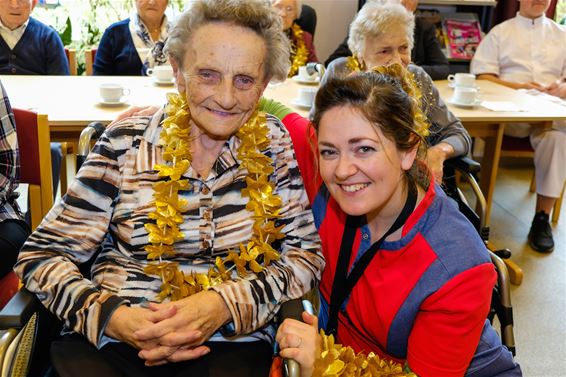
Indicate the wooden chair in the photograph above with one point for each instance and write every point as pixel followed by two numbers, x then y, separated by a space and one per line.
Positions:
pixel 520 147
pixel 90 55
pixel 72 58
pixel 35 161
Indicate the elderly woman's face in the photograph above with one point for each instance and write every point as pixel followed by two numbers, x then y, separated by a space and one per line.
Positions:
pixel 287 10
pixel 150 10
pixel 223 77
pixel 389 48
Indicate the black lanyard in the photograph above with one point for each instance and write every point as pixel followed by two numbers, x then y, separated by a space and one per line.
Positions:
pixel 344 282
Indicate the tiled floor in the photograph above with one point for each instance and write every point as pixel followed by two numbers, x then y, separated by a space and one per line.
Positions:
pixel 540 301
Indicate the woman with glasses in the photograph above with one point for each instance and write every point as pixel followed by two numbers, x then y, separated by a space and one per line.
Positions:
pixel 131 46
pixel 302 45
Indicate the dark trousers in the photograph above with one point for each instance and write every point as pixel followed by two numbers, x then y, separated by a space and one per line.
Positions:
pixel 73 355
pixel 13 234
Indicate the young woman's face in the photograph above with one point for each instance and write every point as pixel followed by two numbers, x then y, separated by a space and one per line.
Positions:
pixel 362 169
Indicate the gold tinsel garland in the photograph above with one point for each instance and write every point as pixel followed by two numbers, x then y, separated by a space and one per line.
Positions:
pixel 167 216
pixel 409 84
pixel 299 51
pixel 339 361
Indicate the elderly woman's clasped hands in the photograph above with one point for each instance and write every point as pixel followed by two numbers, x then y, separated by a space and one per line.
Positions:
pixel 173 331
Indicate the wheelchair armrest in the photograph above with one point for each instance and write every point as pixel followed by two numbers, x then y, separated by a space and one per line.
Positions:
pixel 464 164
pixel 19 310
pixel 291 309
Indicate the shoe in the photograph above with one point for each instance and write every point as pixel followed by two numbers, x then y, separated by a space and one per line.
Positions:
pixel 540 235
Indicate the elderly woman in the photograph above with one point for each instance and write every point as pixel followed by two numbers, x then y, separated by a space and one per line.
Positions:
pixel 202 204
pixel 131 46
pixel 302 45
pixel 382 34
pixel 407 276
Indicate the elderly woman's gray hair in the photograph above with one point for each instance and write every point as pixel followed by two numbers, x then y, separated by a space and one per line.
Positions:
pixel 377 18
pixel 256 15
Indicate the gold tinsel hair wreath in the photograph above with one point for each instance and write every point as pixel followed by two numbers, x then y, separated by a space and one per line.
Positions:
pixel 409 85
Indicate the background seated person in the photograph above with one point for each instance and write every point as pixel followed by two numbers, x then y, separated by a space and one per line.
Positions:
pixel 426 51
pixel 424 291
pixel 532 63
pixel 382 34
pixel 302 45
pixel 13 229
pixel 27 46
pixel 173 203
pixel 131 46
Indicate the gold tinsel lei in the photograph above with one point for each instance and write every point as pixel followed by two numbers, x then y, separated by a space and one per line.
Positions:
pixel 339 361
pixel 167 217
pixel 299 51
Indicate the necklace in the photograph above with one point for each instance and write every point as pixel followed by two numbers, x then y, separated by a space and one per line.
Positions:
pixel 299 53
pixel 164 230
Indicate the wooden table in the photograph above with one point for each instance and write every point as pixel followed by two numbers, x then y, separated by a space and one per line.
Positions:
pixel 489 125
pixel 71 102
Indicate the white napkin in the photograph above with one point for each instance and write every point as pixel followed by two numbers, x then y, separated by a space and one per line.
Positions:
pixel 502 106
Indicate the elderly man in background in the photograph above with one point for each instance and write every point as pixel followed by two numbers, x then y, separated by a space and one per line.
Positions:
pixel 426 51
pixel 27 46
pixel 529 52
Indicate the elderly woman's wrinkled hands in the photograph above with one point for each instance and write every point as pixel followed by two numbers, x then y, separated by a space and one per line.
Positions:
pixel 435 157
pixel 300 341
pixel 180 336
pixel 126 320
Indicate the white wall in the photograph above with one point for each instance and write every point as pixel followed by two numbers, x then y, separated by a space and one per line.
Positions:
pixel 333 20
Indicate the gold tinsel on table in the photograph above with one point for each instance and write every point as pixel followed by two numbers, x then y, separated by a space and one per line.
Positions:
pixel 339 361
pixel 299 51
pixel 167 217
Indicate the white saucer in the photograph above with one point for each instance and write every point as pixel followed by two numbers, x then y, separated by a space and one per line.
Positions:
pixel 164 83
pixel 314 81
pixel 300 104
pixel 453 85
pixel 123 101
pixel 465 105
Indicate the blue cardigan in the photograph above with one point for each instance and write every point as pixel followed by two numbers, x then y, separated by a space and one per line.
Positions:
pixel 117 54
pixel 39 52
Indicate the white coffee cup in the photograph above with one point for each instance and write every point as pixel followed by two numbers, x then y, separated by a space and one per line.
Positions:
pixel 306 96
pixel 162 73
pixel 462 79
pixel 464 95
pixel 110 92
pixel 304 74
